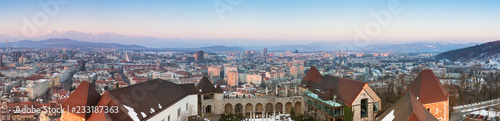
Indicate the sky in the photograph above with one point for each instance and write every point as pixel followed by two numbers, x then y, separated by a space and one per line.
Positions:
pixel 269 20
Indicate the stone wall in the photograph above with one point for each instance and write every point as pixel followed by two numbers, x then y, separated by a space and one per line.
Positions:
pixel 219 103
pixel 439 109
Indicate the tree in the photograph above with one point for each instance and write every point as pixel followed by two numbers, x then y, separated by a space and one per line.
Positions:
pixel 292 113
pixel 263 85
pixel 302 117
pixel 72 89
pixel 348 113
pixel 232 117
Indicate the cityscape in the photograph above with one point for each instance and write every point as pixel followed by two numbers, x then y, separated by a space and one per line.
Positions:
pixel 239 60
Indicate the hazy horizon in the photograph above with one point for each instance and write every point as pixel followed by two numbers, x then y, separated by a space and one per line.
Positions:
pixel 273 22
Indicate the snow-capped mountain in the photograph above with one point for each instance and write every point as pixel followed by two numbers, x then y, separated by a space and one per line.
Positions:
pixel 152 42
pixel 105 37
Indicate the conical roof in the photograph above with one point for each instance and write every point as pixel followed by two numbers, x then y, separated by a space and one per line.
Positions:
pixel 84 95
pixel 312 75
pixel 205 86
pixel 218 89
pixel 407 108
pixel 427 88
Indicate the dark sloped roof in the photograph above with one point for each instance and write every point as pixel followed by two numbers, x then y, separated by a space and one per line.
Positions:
pixel 142 98
pixel 218 89
pixel 108 102
pixel 407 108
pixel 428 88
pixel 205 87
pixel 84 95
pixel 190 88
pixel 346 90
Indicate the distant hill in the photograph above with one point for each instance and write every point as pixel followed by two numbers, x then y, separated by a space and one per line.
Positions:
pixel 479 52
pixel 418 47
pixel 68 43
pixel 219 48
pixel 435 47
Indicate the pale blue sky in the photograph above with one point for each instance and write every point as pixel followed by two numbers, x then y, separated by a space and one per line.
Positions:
pixel 273 20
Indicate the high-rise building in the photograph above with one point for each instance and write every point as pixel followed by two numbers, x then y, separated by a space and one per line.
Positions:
pixel 232 78
pixel 16 56
pixel 198 56
pixel 23 60
pixel 265 52
pixel 301 69
pixel 195 55
pixel 213 71
pixel 229 68
pixel 254 78
pixel 63 56
pixel 294 71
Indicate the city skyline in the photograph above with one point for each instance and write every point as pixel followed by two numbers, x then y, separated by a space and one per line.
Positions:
pixel 276 21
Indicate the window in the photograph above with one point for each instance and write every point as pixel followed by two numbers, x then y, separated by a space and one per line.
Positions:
pixel 375 107
pixel 168 117
pixel 179 112
pixel 364 107
pixel 187 106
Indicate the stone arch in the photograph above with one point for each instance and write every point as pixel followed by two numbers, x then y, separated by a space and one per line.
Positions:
pixel 279 107
pixel 248 109
pixel 208 109
pixel 259 107
pixel 288 107
pixel 238 108
pixel 269 107
pixel 228 108
pixel 298 107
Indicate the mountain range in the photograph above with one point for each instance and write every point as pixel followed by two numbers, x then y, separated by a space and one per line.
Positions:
pixel 119 41
pixel 434 47
pixel 483 52
pixel 67 43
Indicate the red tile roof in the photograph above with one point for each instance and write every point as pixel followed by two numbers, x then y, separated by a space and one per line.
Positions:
pixel 427 88
pixel 407 108
pixel 312 75
pixel 84 95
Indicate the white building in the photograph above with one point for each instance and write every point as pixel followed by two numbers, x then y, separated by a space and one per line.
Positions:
pixel 37 88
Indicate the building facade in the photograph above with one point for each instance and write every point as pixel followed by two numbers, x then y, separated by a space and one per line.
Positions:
pixel 327 97
pixel 232 78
